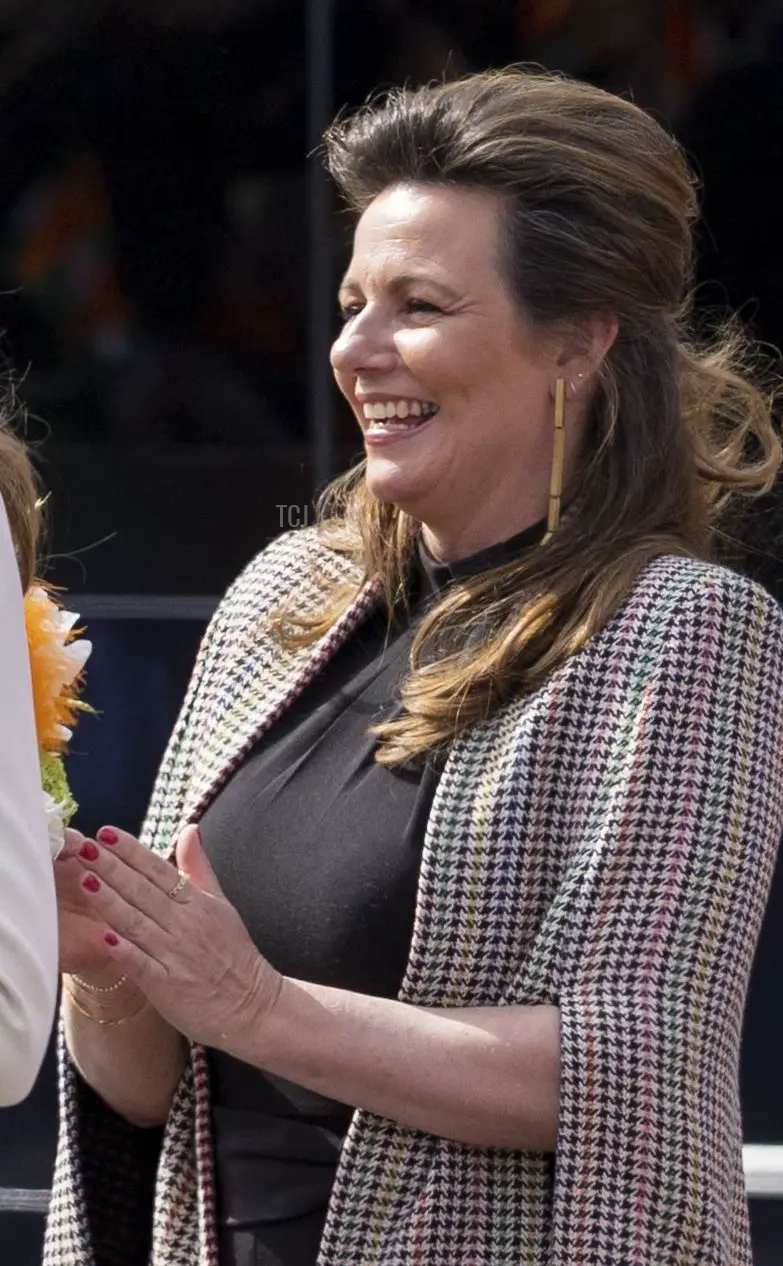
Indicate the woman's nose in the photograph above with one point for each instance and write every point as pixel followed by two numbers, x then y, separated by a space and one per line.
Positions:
pixel 363 344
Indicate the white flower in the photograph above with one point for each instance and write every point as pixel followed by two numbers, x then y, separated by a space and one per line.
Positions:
pixel 55 822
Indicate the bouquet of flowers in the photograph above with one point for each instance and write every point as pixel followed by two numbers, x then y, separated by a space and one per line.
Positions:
pixel 57 658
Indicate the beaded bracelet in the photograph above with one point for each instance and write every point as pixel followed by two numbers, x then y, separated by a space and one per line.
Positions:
pixel 84 984
pixel 122 1019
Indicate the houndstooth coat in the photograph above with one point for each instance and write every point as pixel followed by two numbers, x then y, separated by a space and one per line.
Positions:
pixel 605 844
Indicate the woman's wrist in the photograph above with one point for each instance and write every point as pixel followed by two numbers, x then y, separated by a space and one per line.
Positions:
pixel 104 997
pixel 288 1025
pixel 94 987
pixel 263 1028
pixel 96 979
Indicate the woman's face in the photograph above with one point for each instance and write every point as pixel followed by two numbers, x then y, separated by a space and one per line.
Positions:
pixel 449 383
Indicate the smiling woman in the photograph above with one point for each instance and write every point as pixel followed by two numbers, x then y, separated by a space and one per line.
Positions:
pixel 432 328
pixel 488 795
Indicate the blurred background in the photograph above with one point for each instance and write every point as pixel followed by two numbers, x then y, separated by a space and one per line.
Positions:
pixel 168 259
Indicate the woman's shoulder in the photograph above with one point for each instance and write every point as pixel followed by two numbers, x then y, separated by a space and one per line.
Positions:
pixel 674 592
pixel 683 579
pixel 300 564
pixel 301 549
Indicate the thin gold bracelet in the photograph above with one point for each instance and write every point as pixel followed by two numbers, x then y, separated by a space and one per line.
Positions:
pixel 84 984
pixel 122 1019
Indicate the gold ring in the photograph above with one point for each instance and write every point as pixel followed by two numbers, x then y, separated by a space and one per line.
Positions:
pixel 181 883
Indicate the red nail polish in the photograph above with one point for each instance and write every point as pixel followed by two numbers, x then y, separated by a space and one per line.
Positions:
pixel 111 939
pixel 92 883
pixel 89 852
pixel 107 836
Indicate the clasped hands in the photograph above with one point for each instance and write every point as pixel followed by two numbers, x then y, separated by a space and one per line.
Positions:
pixel 176 937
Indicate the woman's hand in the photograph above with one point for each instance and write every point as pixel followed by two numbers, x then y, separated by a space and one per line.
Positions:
pixel 485 1076
pixel 189 952
pixel 81 927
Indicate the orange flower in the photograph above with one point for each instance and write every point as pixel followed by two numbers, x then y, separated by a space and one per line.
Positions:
pixel 57 658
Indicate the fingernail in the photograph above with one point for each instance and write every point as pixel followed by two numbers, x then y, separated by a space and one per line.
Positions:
pixel 107 836
pixel 111 939
pixel 89 852
pixel 92 883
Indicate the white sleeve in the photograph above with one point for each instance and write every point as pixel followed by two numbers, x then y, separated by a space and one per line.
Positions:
pixel 28 911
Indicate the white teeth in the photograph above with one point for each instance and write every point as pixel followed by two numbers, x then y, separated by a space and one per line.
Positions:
pixel 398 409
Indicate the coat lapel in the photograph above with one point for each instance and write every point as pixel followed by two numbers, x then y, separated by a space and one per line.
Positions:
pixel 265 681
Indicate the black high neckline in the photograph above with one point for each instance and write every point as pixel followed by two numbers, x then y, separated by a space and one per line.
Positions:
pixel 437 574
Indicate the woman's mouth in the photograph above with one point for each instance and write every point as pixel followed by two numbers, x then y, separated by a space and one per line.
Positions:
pixel 391 419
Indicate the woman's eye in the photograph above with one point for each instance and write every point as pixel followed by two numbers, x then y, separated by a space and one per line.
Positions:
pixel 421 305
pixel 414 306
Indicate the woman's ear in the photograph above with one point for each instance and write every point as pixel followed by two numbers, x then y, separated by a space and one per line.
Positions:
pixel 586 349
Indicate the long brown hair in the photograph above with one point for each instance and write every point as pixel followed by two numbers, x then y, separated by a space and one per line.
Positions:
pixel 19 488
pixel 598 207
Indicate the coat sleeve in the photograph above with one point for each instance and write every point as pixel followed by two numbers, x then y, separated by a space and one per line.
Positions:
pixel 671 892
pixel 28 914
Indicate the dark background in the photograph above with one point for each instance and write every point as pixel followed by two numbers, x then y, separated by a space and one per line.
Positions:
pixel 167 256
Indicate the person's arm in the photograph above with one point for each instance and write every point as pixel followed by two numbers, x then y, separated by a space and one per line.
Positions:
pixel 28 914
pixel 122 1048
pixel 485 1076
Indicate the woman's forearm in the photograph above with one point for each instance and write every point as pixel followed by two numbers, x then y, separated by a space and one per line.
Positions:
pixel 135 1065
pixel 486 1076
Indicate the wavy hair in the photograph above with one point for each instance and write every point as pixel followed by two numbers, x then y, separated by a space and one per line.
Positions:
pixel 597 211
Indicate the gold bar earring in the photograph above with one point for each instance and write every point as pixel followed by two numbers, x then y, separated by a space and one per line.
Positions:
pixel 558 461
